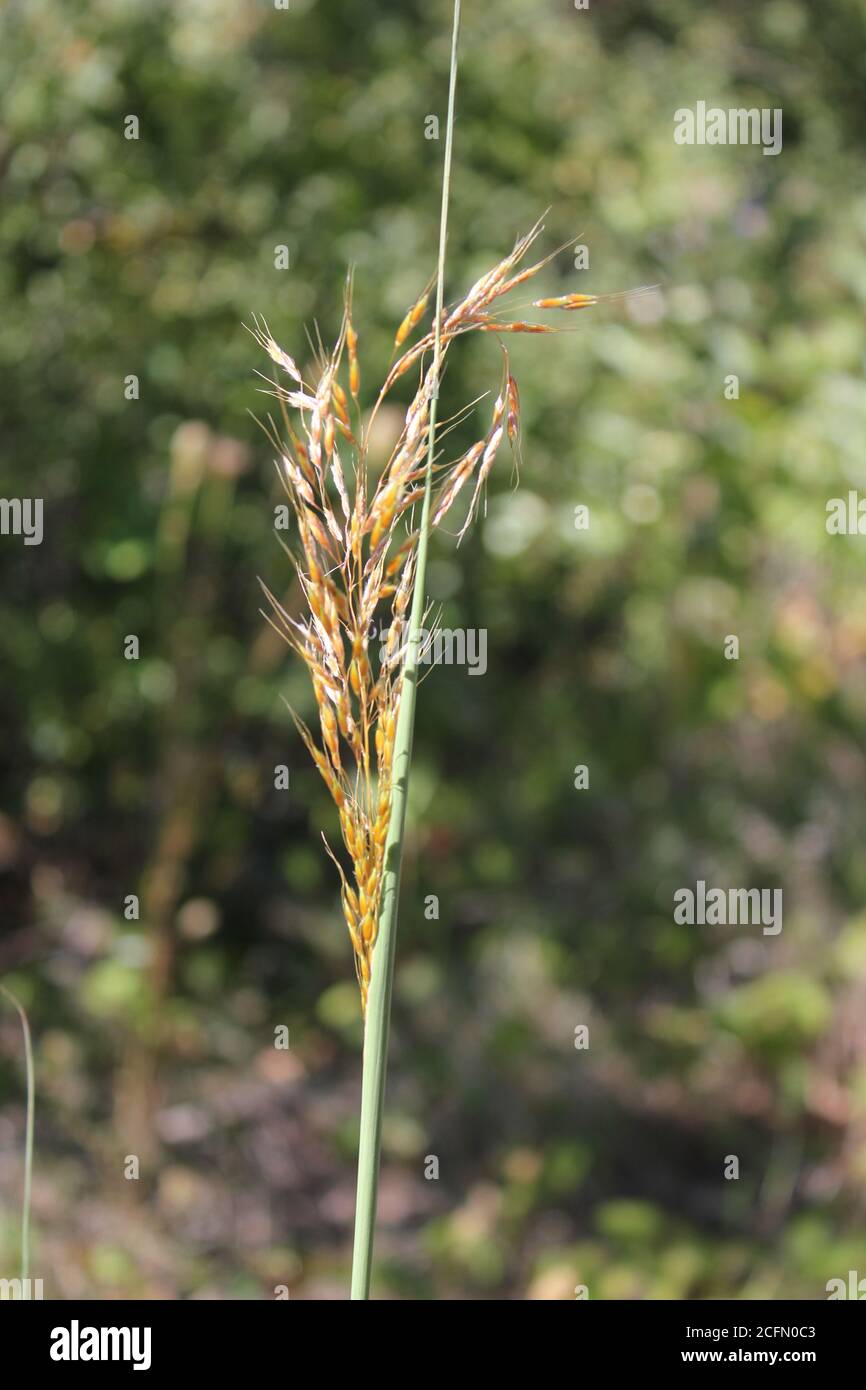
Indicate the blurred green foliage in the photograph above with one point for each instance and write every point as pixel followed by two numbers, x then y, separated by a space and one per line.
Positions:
pixel 558 1166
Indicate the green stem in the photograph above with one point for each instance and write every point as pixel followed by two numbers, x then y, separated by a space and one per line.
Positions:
pixel 378 1016
pixel 28 1141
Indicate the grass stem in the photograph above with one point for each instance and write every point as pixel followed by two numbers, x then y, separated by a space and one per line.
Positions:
pixel 28 1141
pixel 378 1015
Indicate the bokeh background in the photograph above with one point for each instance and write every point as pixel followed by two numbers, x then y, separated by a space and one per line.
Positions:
pixel 155 1037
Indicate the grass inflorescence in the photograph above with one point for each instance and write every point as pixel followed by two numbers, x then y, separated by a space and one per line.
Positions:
pixel 357 547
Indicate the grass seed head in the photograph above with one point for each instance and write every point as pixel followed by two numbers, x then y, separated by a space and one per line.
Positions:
pixel 356 576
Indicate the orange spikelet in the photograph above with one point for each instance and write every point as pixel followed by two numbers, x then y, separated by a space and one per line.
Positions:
pixel 399 559
pixel 354 369
pixel 517 327
pixel 414 316
pixel 380 834
pixel 512 396
pixel 340 403
pixel 566 301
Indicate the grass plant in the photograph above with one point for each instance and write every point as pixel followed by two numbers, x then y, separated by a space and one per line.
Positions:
pixel 361 557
